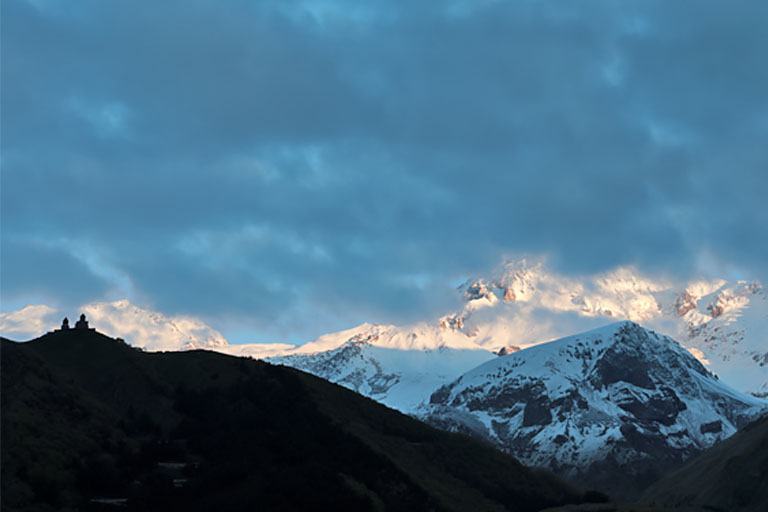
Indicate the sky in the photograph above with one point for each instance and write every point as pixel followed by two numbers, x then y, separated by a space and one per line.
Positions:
pixel 286 169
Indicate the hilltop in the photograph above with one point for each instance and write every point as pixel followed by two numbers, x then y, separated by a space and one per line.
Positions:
pixel 86 417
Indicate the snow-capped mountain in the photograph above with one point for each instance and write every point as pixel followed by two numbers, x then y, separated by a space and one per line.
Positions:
pixel 728 330
pixel 399 367
pixel 619 400
pixel 724 325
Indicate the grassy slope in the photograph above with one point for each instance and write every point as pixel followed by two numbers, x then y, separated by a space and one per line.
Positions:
pixel 84 414
pixel 491 475
pixel 730 476
pixel 47 423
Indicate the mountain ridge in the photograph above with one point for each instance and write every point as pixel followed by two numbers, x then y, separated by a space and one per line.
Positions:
pixel 86 416
pixel 723 325
pixel 521 303
pixel 615 400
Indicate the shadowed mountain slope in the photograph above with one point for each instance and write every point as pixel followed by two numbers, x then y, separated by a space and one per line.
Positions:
pixel 730 476
pixel 87 418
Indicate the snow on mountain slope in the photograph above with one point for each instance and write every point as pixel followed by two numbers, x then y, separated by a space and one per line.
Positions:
pixel 724 324
pixel 399 367
pixel 521 305
pixel 619 400
pixel 254 350
pixel 727 329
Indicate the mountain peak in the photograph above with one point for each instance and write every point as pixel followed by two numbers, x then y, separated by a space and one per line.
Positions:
pixel 617 351
pixel 589 403
pixel 523 303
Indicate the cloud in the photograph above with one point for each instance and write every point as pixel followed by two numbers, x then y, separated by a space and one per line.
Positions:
pixel 140 327
pixel 290 167
pixel 43 270
pixel 151 330
pixel 29 322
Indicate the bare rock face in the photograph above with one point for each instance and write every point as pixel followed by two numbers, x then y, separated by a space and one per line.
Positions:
pixel 453 322
pixel 479 290
pixel 509 349
pixel 716 308
pixel 609 409
pixel 685 302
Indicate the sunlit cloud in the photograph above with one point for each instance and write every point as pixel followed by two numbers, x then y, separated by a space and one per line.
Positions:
pixel 305 166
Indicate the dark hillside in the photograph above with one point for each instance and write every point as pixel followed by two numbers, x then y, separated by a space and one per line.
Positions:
pixel 730 476
pixel 88 418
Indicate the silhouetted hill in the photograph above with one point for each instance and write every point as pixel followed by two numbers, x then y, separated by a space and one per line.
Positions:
pixel 86 417
pixel 731 476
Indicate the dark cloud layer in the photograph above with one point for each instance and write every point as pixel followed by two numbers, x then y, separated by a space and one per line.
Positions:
pixel 297 167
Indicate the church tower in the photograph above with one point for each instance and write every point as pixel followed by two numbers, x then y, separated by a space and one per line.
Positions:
pixel 82 323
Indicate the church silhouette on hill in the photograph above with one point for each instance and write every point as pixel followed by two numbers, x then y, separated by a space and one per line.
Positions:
pixel 80 325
